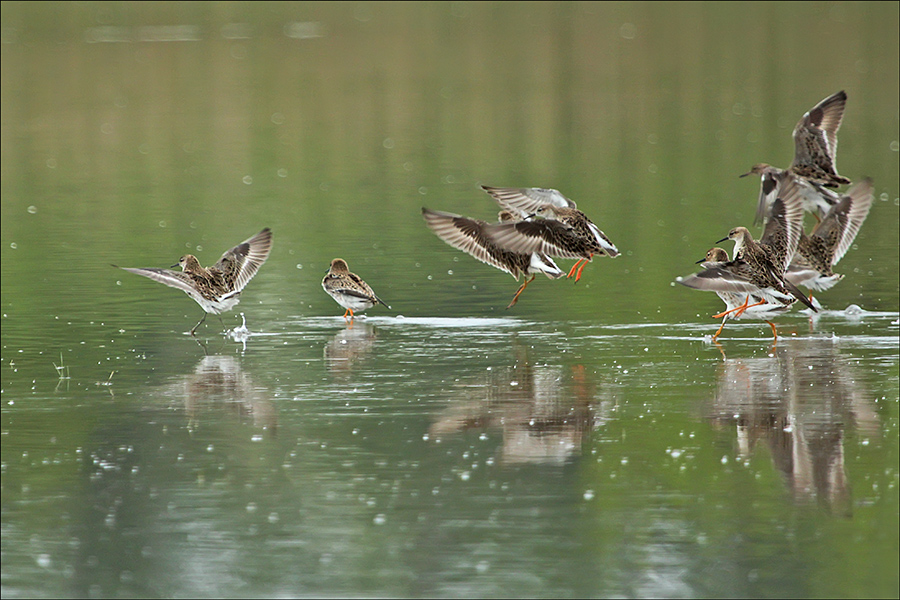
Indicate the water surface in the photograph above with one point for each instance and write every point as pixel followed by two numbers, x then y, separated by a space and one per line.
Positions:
pixel 591 441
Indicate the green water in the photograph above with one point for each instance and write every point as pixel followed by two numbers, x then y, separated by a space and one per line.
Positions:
pixel 589 442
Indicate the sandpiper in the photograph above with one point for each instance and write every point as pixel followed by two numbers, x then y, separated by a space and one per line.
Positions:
pixel 348 289
pixel 757 269
pixel 818 252
pixel 732 282
pixel 216 289
pixel 562 231
pixel 468 235
pixel 815 145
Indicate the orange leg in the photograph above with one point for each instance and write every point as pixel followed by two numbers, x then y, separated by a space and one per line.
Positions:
pixel 521 289
pixel 742 307
pixel 350 312
pixel 574 267
pixel 721 327
pixel 774 332
pixel 760 303
pixel 581 268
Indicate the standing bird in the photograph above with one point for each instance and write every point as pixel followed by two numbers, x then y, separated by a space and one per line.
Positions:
pixel 469 236
pixel 562 231
pixel 815 146
pixel 348 289
pixel 818 252
pixel 216 289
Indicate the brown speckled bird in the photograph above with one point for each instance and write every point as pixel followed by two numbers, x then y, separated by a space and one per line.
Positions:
pixel 562 230
pixel 348 289
pixel 469 236
pixel 216 289
pixel 818 252
pixel 815 146
pixel 757 269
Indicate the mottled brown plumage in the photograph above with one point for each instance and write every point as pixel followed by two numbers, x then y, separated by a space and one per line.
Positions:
pixel 733 283
pixel 815 146
pixel 768 258
pixel 469 236
pixel 756 272
pixel 348 289
pixel 562 230
pixel 817 253
pixel 217 288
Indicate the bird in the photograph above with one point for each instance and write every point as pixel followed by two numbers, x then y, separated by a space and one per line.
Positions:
pixel 757 269
pixel 818 252
pixel 348 289
pixel 216 289
pixel 815 146
pixel 562 230
pixel 469 236
pixel 732 282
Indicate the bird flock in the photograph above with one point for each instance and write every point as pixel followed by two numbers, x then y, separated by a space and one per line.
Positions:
pixel 761 278
pixel 536 225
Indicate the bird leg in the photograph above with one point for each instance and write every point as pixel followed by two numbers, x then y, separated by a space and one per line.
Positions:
pixel 740 309
pixel 760 303
pixel 574 267
pixel 721 327
pixel 727 312
pixel 350 311
pixel 198 324
pixel 521 289
pixel 581 268
pixel 774 333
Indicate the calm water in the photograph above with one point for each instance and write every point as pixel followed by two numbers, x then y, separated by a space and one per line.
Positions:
pixel 589 442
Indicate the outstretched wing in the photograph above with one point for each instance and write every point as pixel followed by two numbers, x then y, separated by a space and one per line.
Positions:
pixel 815 136
pixel 785 223
pixel 525 201
pixel 240 264
pixel 546 236
pixel 860 199
pixel 468 235
pixel 175 279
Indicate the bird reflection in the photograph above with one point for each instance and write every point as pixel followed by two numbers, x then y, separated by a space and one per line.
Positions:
pixel 348 347
pixel 543 412
pixel 219 381
pixel 800 401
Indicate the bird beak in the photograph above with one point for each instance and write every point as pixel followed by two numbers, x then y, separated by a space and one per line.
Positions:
pixel 531 216
pixel 747 173
pixel 724 239
pixel 700 261
pixel 175 266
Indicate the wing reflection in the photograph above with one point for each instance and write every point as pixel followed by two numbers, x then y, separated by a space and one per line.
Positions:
pixel 219 381
pixel 799 402
pixel 348 347
pixel 542 412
